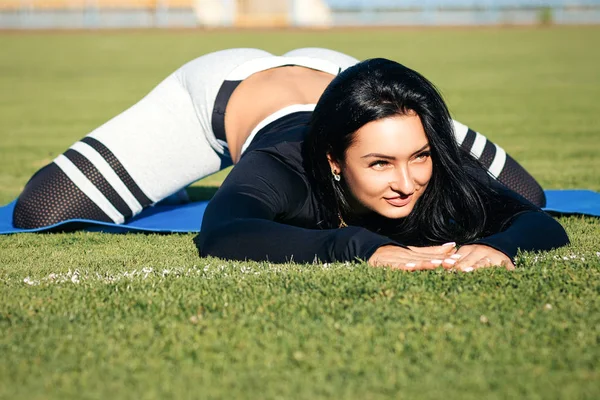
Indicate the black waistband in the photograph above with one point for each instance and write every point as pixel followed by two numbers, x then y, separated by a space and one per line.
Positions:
pixel 218 114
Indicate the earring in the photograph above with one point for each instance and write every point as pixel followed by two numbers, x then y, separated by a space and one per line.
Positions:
pixel 336 176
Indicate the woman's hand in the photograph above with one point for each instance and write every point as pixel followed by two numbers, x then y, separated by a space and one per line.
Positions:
pixel 468 258
pixel 412 258
pixel 475 256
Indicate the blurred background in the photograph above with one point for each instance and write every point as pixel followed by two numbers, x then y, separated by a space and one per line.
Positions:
pixel 95 14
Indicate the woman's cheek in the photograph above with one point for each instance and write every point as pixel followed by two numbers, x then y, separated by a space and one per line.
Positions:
pixel 422 173
pixel 370 181
pixel 378 181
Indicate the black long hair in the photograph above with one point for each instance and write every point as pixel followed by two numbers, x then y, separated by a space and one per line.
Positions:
pixel 454 206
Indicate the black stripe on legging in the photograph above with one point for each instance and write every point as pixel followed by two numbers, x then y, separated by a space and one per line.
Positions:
pixel 116 165
pixel 92 173
pixel 489 152
pixel 467 144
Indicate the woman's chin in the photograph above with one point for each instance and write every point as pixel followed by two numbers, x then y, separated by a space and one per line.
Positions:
pixel 392 212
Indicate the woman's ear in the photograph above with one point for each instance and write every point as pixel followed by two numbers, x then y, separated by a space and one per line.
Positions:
pixel 335 166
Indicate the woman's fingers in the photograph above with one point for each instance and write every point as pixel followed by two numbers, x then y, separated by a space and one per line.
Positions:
pixel 395 256
pixel 424 265
pixel 484 262
pixel 450 262
pixel 467 262
pixel 409 264
pixel 481 258
pixel 447 248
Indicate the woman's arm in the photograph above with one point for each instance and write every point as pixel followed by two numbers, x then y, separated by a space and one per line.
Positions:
pixel 513 224
pixel 246 219
pixel 528 231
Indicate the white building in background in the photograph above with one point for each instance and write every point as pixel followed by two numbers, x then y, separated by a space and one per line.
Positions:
pixel 262 13
pixel 314 13
pixel 215 13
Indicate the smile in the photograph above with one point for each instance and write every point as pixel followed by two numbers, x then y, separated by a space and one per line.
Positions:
pixel 398 201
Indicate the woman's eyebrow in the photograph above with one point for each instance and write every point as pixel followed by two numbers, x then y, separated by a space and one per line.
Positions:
pixel 387 157
pixel 421 149
pixel 379 155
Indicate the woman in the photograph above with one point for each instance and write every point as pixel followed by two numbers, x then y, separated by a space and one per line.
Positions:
pixel 377 170
pixel 199 120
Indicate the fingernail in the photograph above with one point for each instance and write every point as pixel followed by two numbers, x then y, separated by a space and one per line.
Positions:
pixel 456 256
pixel 467 269
pixel 410 265
pixel 436 262
pixel 450 261
pixel 453 244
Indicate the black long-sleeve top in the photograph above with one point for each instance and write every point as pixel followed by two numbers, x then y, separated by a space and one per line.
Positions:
pixel 266 210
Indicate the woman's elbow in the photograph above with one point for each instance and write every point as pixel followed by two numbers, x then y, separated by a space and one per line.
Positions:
pixel 560 236
pixel 204 245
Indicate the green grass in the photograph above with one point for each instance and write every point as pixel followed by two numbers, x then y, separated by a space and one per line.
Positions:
pixel 90 315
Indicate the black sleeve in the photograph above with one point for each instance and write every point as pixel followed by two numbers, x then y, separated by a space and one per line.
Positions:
pixel 516 224
pixel 240 222
pixel 528 231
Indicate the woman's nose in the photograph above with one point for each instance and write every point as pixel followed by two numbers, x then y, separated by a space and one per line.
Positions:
pixel 403 182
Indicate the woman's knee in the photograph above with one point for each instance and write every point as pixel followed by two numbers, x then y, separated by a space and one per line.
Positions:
pixel 51 197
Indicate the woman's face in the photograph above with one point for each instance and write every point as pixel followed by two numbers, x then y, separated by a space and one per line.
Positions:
pixel 388 166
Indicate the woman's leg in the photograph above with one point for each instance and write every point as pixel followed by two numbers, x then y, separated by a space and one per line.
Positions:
pixel 499 164
pixel 150 151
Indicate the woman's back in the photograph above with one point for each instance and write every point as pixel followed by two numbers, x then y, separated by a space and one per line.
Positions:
pixel 266 92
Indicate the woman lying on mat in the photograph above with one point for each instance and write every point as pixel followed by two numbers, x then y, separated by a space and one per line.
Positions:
pixel 199 120
pixel 377 170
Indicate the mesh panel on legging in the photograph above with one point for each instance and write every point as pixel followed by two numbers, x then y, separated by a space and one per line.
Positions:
pixel 50 197
pixel 512 174
pixel 516 178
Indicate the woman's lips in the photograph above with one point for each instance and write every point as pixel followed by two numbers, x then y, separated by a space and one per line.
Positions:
pixel 398 201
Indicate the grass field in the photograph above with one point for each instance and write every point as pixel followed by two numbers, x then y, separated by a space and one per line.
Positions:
pixel 91 315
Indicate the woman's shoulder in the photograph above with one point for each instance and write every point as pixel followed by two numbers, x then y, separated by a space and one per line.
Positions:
pixel 279 166
pixel 271 178
pixel 282 139
pixel 286 148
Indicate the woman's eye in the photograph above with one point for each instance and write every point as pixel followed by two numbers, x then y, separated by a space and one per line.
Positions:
pixel 423 156
pixel 379 164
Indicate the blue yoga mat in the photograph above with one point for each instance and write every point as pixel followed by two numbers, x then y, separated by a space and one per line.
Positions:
pixel 160 219
pixel 583 202
pixel 188 217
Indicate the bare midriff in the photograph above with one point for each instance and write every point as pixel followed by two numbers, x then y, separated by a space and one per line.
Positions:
pixel 265 93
